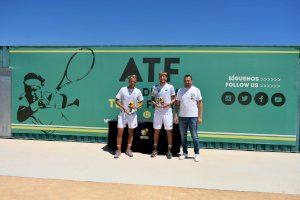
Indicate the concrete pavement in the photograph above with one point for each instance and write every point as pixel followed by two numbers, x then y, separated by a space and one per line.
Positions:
pixel 217 169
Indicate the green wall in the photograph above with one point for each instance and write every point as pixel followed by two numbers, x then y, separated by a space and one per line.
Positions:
pixel 270 70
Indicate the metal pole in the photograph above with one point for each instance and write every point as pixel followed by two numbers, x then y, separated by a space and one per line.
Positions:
pixel 5 57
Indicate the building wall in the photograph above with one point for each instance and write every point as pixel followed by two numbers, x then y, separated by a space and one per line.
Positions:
pixel 250 94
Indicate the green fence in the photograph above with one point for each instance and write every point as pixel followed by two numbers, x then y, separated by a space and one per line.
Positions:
pixel 250 94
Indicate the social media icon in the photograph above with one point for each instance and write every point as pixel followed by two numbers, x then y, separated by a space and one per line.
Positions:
pixel 244 98
pixel 261 98
pixel 278 99
pixel 228 98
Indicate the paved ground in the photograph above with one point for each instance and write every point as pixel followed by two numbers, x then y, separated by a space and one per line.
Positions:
pixel 217 169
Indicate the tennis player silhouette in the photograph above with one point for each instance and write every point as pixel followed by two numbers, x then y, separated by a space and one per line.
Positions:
pixel 35 100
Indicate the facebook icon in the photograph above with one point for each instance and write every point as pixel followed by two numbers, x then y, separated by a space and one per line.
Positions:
pixel 261 98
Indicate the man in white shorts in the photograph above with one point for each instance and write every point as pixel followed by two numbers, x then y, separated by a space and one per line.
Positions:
pixel 129 99
pixel 189 102
pixel 163 96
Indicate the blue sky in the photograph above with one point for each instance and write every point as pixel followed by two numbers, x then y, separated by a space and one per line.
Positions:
pixel 133 22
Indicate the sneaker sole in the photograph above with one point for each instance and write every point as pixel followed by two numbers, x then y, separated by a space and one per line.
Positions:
pixel 154 155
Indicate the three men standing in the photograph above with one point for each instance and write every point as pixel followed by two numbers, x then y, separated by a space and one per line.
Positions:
pixel 188 103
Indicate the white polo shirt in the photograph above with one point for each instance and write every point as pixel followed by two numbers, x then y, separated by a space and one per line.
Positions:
pixel 163 95
pixel 188 98
pixel 129 96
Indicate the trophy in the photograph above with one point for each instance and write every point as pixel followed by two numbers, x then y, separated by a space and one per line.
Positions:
pixel 131 109
pixel 160 102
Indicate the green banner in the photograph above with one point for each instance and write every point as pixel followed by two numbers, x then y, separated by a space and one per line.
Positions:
pixel 250 94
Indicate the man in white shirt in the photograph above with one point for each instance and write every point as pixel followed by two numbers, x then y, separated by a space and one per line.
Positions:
pixel 129 99
pixel 190 106
pixel 163 97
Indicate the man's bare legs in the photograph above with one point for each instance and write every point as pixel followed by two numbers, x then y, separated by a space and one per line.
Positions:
pixel 169 138
pixel 129 142
pixel 156 139
pixel 119 142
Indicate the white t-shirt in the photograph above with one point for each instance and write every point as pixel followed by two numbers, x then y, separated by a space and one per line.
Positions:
pixel 188 98
pixel 163 95
pixel 129 97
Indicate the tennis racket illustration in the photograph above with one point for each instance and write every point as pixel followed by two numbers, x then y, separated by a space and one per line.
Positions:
pixel 78 67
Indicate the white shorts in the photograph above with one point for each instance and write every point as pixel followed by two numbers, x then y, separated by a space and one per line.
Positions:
pixel 165 118
pixel 130 120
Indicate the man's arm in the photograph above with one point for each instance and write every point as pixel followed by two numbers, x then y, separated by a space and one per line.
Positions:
pixel 140 100
pixel 120 105
pixel 176 112
pixel 200 111
pixel 173 99
pixel 139 105
pixel 177 107
pixel 173 96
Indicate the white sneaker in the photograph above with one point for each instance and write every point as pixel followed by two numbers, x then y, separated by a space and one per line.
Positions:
pixel 183 156
pixel 117 154
pixel 129 153
pixel 197 158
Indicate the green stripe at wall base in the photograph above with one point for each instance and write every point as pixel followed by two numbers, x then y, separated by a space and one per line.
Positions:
pixel 60 137
pixel 203 144
pixel 247 147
